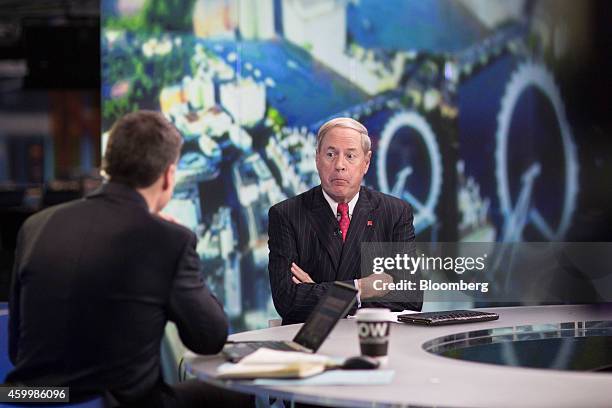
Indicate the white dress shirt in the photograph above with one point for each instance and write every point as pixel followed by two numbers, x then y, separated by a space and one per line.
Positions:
pixel 334 205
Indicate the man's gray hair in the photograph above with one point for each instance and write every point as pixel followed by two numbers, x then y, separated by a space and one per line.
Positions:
pixel 348 123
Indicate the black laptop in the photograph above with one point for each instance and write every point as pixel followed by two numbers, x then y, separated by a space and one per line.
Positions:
pixel 334 305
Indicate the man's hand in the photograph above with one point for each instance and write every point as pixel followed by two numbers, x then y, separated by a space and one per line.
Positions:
pixel 299 276
pixel 366 286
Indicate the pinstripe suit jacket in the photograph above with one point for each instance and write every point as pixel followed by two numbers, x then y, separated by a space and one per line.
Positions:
pixel 303 230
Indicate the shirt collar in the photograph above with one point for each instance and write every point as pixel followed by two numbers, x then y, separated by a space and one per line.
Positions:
pixel 334 205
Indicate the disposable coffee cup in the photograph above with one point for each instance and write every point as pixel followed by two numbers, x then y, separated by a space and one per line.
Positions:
pixel 373 327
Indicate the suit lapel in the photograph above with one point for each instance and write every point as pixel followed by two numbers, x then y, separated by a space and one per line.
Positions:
pixel 325 225
pixel 358 232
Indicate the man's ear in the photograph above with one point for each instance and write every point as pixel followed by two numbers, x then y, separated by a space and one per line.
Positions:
pixel 168 177
pixel 368 159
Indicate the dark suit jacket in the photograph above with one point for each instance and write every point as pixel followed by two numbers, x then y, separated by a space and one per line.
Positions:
pixel 303 230
pixel 95 281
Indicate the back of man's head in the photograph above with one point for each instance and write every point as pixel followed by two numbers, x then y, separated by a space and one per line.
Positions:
pixel 140 147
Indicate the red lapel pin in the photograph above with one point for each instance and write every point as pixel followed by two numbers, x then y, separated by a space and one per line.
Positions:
pixel 370 223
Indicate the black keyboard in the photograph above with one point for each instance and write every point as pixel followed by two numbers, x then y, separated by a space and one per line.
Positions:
pixel 447 317
pixel 236 351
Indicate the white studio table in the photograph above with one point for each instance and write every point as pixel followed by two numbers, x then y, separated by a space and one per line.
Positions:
pixel 423 378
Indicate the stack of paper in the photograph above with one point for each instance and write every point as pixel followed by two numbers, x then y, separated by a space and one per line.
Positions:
pixel 267 363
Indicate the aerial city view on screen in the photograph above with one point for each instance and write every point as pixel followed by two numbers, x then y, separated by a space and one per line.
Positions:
pixel 466 117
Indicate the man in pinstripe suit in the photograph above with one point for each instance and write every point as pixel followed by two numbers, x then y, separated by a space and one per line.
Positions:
pixel 315 238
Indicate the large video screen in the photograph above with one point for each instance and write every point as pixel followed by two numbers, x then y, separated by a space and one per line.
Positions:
pixel 461 99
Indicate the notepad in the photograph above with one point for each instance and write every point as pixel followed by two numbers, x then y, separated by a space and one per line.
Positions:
pixel 267 363
pixel 295 370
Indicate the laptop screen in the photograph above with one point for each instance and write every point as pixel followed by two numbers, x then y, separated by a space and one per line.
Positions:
pixel 332 307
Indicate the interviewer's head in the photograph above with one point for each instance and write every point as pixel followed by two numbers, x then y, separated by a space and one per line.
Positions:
pixel 142 150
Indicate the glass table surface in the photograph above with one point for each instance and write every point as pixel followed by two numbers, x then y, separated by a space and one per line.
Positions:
pixel 575 346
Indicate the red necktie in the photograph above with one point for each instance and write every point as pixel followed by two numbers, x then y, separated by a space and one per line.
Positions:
pixel 344 219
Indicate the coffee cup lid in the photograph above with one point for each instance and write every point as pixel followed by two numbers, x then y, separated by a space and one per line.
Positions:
pixel 373 314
